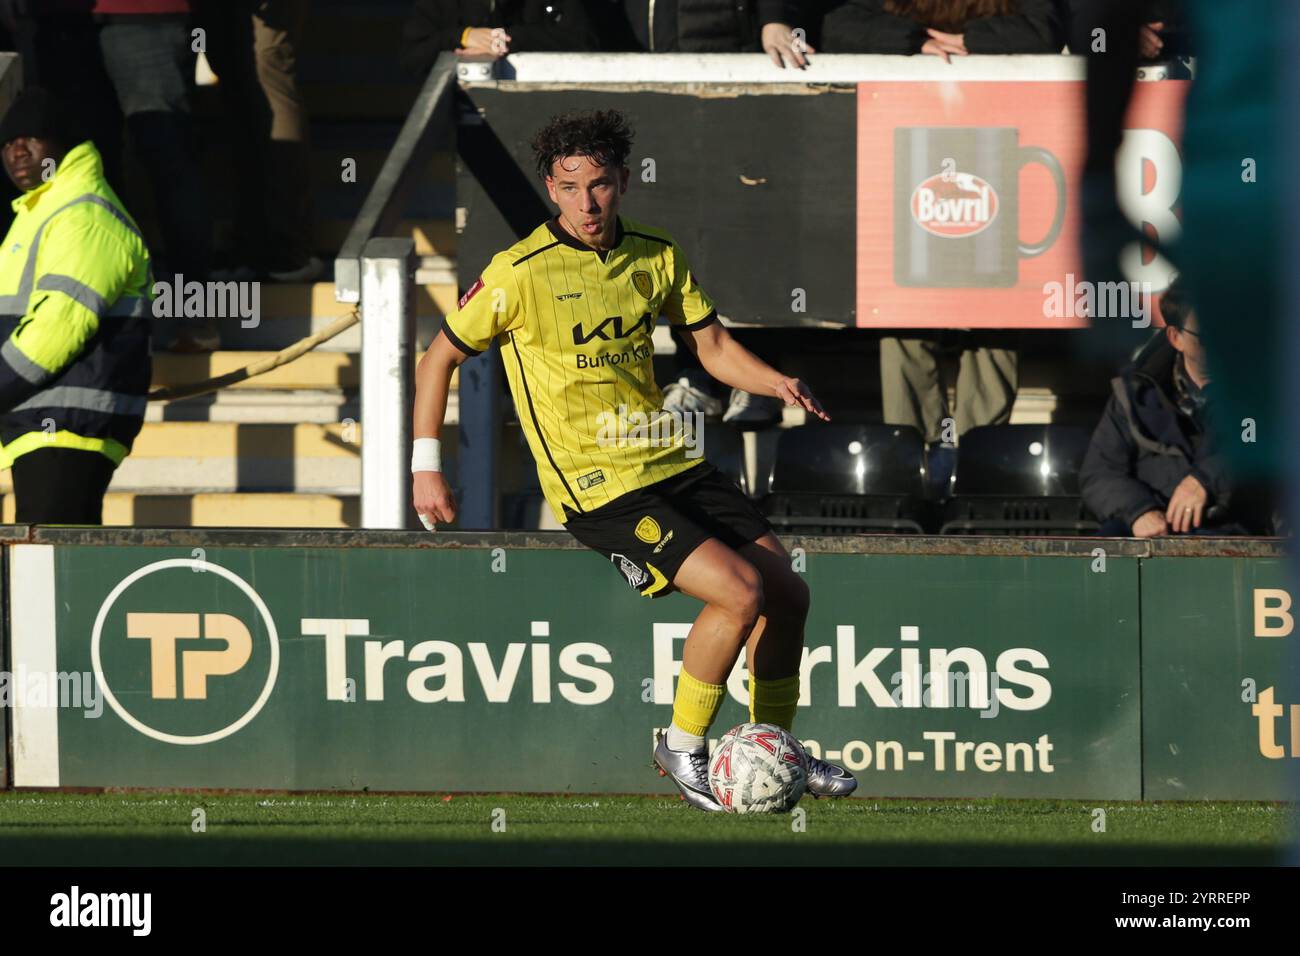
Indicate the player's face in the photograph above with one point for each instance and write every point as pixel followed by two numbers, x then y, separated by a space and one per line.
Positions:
pixel 588 196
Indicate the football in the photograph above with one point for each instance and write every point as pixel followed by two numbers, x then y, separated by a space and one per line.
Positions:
pixel 757 768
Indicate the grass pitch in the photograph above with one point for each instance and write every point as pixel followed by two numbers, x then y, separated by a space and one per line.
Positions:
pixel 161 828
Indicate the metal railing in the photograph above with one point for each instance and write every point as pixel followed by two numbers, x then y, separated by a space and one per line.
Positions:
pixel 377 270
pixel 430 115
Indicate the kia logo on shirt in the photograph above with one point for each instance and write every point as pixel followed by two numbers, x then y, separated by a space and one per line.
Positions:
pixel 612 328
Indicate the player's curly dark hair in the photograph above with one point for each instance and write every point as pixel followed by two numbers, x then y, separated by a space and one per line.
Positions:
pixel 603 136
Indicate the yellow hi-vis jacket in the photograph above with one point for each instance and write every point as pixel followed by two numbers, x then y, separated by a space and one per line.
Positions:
pixel 74 317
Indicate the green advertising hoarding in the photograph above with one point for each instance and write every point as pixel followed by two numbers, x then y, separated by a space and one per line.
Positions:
pixel 522 663
pixel 1220 683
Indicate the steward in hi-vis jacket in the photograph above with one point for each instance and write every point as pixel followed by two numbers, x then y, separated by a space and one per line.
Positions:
pixel 74 320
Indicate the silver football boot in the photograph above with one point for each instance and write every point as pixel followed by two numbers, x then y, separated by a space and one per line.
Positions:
pixel 826 779
pixel 689 770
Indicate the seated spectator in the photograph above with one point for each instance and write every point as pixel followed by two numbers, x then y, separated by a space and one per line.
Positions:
pixel 913 390
pixel 716 26
pixel 485 27
pixel 943 28
pixel 1153 467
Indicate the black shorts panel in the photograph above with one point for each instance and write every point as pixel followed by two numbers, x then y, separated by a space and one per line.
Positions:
pixel 650 532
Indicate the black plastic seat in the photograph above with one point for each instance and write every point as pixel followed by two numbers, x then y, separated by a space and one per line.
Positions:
pixel 848 479
pixel 1021 480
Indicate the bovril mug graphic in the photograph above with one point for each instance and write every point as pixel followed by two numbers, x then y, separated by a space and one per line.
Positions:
pixel 957 206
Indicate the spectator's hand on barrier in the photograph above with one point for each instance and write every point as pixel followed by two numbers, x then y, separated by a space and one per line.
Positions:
pixel 945 44
pixel 794 392
pixel 784 46
pixel 1150 42
pixel 1187 505
pixel 1150 525
pixel 433 499
pixel 489 41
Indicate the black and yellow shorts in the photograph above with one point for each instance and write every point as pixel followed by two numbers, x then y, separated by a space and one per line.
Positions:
pixel 648 533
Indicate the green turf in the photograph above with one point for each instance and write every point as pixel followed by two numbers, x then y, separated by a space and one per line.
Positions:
pixel 156 828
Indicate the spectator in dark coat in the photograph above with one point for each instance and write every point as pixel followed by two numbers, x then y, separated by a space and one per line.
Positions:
pixel 494 27
pixel 943 28
pixel 1153 467
pixel 1164 34
pixel 716 26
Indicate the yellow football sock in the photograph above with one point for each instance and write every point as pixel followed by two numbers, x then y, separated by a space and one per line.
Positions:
pixel 773 701
pixel 696 704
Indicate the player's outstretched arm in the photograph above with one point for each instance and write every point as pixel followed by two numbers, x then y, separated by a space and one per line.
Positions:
pixel 732 364
pixel 430 492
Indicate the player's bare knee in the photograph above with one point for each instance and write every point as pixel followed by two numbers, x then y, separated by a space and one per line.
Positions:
pixel 745 597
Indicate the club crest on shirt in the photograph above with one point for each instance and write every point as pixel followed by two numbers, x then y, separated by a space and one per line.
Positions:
pixel 635 575
pixel 647 529
pixel 470 292
pixel 643 284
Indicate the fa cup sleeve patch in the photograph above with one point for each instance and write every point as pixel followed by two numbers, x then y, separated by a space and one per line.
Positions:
pixel 470 292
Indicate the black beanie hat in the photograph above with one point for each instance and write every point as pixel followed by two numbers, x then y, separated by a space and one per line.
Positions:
pixel 39 113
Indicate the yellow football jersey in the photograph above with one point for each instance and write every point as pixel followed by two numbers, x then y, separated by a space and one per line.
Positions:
pixel 575 327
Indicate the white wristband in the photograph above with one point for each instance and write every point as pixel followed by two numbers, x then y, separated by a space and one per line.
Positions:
pixel 426 455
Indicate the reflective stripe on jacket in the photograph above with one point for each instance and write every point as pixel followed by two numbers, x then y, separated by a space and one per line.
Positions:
pixel 74 317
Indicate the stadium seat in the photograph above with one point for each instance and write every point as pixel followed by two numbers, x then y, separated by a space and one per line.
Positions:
pixel 1019 479
pixel 847 479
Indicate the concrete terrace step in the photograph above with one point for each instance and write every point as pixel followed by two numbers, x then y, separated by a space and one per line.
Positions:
pixel 189 457
pixel 258 406
pixel 433 237
pixel 226 456
pixel 223 510
pixel 289 312
pixel 303 300
pixel 261 406
pixel 315 371
pixel 216 439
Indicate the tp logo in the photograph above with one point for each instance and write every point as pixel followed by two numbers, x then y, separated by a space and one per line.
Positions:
pixel 213 648
pixel 163 630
